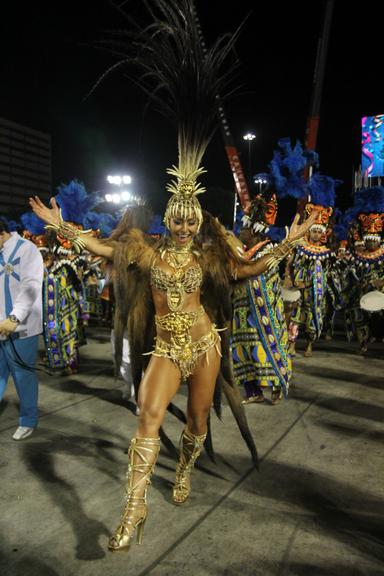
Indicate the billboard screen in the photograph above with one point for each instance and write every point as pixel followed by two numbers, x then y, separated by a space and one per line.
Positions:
pixel 372 145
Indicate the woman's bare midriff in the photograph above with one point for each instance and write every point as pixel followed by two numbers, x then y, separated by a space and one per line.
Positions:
pixel 191 303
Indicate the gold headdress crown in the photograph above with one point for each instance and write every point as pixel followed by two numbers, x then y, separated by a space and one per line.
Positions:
pixel 183 202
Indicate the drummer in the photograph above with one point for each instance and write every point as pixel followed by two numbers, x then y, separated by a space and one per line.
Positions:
pixel 368 264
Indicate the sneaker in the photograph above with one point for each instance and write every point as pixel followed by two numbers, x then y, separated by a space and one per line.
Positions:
pixel 22 432
pixel 257 399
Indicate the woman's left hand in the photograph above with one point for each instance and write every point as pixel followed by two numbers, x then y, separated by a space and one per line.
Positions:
pixel 297 230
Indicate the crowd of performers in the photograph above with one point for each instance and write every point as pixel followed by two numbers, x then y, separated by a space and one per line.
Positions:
pixel 200 305
pixel 337 267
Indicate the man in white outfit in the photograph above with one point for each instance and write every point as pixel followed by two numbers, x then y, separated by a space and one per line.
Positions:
pixel 21 279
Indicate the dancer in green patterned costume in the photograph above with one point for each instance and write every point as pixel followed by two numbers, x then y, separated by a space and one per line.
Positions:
pixel 259 338
pixel 62 315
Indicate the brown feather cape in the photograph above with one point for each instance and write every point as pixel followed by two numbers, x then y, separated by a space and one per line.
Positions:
pixel 133 254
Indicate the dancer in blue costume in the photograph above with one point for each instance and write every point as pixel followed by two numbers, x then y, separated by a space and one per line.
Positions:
pixel 313 269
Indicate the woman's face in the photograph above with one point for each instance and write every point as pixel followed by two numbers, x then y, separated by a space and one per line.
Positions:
pixel 183 230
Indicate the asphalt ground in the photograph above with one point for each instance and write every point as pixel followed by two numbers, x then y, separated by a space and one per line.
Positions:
pixel 315 507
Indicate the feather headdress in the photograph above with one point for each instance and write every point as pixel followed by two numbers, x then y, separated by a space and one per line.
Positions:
pixel 183 79
pixel 32 223
pixel 285 179
pixel 367 212
pixel 322 190
pixel 11 225
pixel 287 169
pixel 74 201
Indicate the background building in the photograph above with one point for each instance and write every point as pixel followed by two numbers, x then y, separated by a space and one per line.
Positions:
pixel 25 166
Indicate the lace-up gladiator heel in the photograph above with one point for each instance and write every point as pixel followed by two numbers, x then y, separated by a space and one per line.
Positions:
pixel 190 449
pixel 142 456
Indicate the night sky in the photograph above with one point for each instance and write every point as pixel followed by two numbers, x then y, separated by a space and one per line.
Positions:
pixel 47 71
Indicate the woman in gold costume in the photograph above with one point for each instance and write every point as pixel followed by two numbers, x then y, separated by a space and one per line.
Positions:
pixel 170 274
pixel 187 342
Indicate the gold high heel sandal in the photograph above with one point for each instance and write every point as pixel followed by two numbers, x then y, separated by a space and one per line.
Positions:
pixel 142 456
pixel 190 449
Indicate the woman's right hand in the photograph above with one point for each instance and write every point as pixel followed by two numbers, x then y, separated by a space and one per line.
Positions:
pixel 48 215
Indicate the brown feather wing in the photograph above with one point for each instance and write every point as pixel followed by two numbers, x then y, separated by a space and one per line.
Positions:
pixel 218 253
pixel 134 310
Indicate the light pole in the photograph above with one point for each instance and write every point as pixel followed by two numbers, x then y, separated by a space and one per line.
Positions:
pixel 249 137
pixel 260 181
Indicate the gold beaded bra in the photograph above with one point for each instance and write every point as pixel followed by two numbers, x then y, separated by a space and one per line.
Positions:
pixel 180 282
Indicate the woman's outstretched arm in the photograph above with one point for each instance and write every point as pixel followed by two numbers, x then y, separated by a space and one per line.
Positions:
pixel 51 216
pixel 272 259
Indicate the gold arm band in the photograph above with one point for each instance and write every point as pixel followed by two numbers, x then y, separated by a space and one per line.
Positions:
pixel 279 252
pixel 69 232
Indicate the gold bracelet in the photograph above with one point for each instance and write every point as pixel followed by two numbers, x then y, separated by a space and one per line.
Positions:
pixel 279 252
pixel 69 232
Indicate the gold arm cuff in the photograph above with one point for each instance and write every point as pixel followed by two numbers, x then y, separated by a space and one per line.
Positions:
pixel 69 232
pixel 280 252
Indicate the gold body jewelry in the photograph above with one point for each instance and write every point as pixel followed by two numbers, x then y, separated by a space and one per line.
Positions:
pixel 181 349
pixel 281 251
pixel 69 232
pixel 177 284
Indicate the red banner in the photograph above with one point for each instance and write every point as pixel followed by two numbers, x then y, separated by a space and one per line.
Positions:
pixel 238 176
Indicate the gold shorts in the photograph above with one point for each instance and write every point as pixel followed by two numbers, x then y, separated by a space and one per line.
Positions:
pixel 181 349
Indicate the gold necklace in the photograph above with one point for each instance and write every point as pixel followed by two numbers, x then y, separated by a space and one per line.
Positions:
pixel 178 256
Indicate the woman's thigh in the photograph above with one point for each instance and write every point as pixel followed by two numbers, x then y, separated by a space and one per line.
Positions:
pixel 159 384
pixel 202 382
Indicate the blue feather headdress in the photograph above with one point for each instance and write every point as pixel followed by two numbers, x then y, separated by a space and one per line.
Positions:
pixel 157 227
pixel 340 227
pixel 101 221
pixel 287 169
pixel 286 179
pixel 367 201
pixel 12 225
pixel 74 201
pixel 322 190
pixel 32 223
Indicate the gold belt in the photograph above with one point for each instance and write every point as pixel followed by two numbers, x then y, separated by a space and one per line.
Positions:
pixel 186 356
pixel 179 323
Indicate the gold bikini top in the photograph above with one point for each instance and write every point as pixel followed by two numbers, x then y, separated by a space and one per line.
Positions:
pixel 176 284
pixel 190 279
